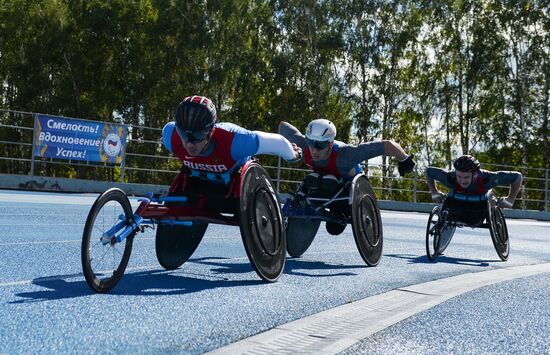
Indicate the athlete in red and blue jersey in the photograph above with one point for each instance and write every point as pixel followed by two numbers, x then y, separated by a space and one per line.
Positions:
pixel 333 161
pixel 325 155
pixel 211 151
pixel 469 180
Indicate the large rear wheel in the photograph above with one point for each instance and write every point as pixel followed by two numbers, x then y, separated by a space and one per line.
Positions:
pixel 261 223
pixel 366 221
pixel 433 234
pixel 499 232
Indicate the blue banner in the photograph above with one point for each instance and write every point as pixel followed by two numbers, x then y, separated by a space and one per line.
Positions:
pixel 62 138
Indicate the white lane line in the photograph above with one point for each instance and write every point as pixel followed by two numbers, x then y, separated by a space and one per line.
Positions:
pixel 45 242
pixel 336 329
pixel 60 241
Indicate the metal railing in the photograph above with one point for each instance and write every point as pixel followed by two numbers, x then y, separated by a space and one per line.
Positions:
pixel 146 161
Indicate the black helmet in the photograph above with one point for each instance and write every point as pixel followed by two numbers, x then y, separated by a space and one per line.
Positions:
pixel 466 163
pixel 196 113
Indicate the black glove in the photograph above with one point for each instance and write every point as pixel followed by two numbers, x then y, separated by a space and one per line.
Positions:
pixel 406 166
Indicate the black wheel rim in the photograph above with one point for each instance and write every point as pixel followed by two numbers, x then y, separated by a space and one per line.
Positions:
pixel 432 234
pixel 367 232
pixel 500 227
pixel 261 224
pixel 265 222
pixel 369 222
pixel 500 234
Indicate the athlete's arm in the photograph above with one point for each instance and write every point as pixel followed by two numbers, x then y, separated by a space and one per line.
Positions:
pixel 504 178
pixel 351 155
pixel 434 174
pixel 393 149
pixel 514 189
pixel 276 144
pixel 167 132
pixel 430 181
pixel 365 151
pixel 292 134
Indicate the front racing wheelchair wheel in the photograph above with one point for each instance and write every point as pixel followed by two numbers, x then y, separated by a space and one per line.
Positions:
pixel 104 261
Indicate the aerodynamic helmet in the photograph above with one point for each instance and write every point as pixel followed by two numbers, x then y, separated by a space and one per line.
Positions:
pixel 466 163
pixel 321 130
pixel 196 113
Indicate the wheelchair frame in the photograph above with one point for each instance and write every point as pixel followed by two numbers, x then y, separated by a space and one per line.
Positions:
pixel 441 226
pixel 364 216
pixel 258 216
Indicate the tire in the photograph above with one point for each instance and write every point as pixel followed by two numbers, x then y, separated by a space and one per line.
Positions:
pixel 366 221
pixel 432 234
pixel 499 232
pixel 104 265
pixel 175 244
pixel 261 223
pixel 300 233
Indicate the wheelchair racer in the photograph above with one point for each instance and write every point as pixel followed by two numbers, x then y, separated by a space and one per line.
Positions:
pixel 334 162
pixel 212 151
pixel 468 179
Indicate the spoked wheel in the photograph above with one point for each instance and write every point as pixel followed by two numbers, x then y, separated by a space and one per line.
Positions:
pixel 366 221
pixel 499 233
pixel 261 223
pixel 433 234
pixel 104 260
pixel 174 244
pixel 300 233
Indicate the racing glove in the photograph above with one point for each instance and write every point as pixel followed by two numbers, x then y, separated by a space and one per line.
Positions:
pixel 298 154
pixel 406 166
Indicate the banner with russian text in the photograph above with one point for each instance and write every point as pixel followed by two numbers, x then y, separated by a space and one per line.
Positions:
pixel 71 139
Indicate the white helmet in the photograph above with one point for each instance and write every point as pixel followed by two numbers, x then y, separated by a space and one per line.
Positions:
pixel 321 130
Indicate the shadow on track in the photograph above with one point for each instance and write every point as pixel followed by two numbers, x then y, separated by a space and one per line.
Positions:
pixel 145 283
pixel 293 266
pixel 441 259
pixel 162 282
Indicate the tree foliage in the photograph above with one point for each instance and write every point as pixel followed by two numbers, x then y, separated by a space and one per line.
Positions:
pixel 441 78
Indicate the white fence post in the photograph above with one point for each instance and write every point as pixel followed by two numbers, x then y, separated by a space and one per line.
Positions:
pixel 278 175
pixel 415 186
pixel 33 141
pixel 546 194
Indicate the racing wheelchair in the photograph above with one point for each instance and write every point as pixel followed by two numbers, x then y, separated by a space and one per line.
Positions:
pixel 181 219
pixel 459 210
pixel 337 204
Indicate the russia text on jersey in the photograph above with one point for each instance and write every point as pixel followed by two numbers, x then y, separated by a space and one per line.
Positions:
pixel 205 167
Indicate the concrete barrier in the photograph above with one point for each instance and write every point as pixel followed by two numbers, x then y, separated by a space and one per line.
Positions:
pixel 39 183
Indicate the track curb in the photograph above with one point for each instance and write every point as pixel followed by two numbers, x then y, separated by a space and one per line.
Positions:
pixel 336 329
